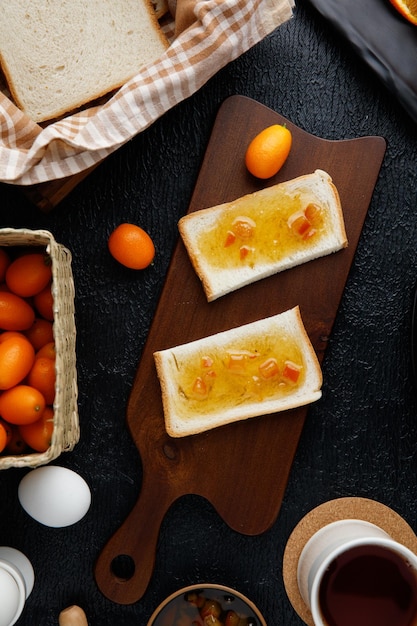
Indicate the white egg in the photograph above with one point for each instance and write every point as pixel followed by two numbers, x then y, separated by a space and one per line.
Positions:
pixel 54 496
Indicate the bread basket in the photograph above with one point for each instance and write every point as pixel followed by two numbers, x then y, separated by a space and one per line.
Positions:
pixel 66 425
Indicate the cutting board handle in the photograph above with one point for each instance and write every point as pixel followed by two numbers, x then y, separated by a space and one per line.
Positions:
pixel 125 565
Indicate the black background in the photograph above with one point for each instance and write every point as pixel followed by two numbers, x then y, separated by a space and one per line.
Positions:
pixel 359 440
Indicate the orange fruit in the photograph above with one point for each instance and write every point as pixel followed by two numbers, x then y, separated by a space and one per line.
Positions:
pixel 131 246
pixel 5 434
pixel 42 378
pixel 38 435
pixel 4 263
pixel 48 351
pixel 15 312
pixel 44 303
pixel 21 404
pixel 407 8
pixel 10 334
pixel 268 151
pixel 15 445
pixel 29 274
pixel 17 356
pixel 40 333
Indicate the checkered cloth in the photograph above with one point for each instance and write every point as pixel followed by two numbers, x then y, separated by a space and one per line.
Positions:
pixel 204 36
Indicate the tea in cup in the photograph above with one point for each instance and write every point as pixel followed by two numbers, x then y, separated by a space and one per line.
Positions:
pixel 351 572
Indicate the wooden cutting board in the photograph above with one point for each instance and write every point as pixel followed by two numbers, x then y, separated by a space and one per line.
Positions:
pixel 242 468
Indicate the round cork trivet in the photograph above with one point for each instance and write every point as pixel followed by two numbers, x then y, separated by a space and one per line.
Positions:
pixel 332 511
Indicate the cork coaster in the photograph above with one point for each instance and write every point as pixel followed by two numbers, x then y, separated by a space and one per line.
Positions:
pixel 332 511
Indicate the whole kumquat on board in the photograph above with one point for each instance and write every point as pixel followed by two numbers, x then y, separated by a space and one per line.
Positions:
pixel 38 435
pixel 17 356
pixel 29 274
pixel 131 246
pixel 15 312
pixel 268 151
pixel 21 404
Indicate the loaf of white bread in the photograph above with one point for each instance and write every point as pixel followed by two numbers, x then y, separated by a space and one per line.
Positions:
pixel 236 243
pixel 58 56
pixel 256 369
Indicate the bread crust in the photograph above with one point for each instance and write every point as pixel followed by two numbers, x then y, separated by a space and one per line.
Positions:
pixel 218 281
pixel 183 418
pixel 160 7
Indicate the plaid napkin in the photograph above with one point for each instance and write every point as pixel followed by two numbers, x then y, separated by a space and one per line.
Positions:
pixel 204 36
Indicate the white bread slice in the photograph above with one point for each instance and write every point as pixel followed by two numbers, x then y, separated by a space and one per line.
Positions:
pixel 58 56
pixel 232 375
pixel 274 244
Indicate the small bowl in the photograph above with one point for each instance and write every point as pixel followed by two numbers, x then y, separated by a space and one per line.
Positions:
pixel 186 607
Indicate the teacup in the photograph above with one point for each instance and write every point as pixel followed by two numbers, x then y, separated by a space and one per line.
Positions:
pixel 353 572
pixel 16 583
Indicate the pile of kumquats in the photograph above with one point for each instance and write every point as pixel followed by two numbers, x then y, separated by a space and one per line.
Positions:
pixel 27 351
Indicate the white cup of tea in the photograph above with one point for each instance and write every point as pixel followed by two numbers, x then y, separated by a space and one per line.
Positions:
pixel 16 583
pixel 353 573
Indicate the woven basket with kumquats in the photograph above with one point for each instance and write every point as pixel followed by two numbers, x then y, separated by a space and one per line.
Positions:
pixel 65 432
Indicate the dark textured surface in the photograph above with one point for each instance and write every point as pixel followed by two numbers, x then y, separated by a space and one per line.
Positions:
pixel 360 440
pixel 385 40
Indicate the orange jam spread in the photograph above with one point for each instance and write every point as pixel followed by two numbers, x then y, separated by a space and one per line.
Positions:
pixel 262 230
pixel 263 368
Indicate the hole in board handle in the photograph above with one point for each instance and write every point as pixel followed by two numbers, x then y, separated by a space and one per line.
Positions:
pixel 123 567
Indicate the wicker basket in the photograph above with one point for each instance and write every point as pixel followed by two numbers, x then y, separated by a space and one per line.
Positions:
pixel 66 431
